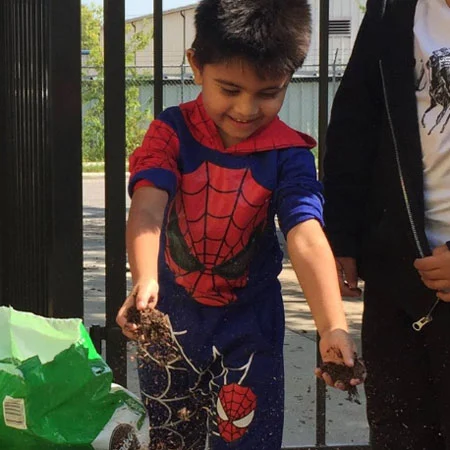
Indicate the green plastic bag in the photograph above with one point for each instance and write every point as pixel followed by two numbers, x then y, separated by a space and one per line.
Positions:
pixel 56 391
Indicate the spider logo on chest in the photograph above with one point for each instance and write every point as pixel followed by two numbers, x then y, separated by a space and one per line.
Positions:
pixel 214 226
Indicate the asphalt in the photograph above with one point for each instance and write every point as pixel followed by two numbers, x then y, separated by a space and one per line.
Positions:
pixel 345 420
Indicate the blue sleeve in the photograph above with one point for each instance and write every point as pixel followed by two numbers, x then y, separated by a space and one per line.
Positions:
pixel 298 196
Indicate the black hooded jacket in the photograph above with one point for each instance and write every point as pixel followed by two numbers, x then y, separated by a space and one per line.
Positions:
pixel 373 172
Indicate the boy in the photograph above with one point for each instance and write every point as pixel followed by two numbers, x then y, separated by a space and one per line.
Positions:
pixel 387 213
pixel 206 184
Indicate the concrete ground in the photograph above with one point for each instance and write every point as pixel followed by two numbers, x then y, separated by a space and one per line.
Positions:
pixel 345 420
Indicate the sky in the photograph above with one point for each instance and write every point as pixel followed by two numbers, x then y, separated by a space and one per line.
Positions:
pixel 134 8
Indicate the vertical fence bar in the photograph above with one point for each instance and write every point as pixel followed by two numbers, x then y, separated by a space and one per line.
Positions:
pixel 66 258
pixel 157 56
pixel 115 207
pixel 4 62
pixel 323 124
pixel 323 78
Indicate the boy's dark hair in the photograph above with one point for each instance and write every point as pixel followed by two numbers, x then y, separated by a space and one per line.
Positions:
pixel 272 35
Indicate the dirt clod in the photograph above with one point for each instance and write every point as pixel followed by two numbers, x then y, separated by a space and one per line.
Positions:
pixel 154 337
pixel 344 374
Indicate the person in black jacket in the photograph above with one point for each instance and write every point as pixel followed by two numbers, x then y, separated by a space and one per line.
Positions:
pixel 387 215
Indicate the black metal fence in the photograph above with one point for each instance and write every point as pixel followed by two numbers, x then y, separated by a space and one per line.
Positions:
pixel 40 137
pixel 41 221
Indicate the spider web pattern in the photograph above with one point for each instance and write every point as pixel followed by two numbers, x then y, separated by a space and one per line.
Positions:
pixel 217 218
pixel 181 399
pixel 160 149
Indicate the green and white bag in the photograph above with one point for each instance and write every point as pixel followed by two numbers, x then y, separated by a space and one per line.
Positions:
pixel 56 391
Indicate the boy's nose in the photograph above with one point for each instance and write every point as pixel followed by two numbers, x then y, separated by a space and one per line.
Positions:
pixel 246 109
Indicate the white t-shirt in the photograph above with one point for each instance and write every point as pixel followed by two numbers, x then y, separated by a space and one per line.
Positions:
pixel 432 55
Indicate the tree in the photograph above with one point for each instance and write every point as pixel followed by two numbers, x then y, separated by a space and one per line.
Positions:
pixel 137 115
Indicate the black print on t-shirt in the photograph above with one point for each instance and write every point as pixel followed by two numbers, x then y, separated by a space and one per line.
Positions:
pixel 438 67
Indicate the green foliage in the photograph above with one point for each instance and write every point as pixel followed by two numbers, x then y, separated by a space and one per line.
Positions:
pixel 361 5
pixel 137 116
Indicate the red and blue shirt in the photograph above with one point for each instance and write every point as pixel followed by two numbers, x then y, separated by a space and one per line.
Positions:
pixel 219 245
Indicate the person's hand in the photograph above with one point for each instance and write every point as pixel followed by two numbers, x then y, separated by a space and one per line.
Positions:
pixel 435 271
pixel 337 347
pixel 348 276
pixel 144 295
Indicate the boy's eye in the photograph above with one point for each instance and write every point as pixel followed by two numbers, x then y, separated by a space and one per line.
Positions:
pixel 268 94
pixel 230 91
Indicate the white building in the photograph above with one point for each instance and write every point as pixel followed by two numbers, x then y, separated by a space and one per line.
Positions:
pixel 179 31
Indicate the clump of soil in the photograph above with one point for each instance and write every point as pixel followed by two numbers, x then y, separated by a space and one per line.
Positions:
pixel 154 337
pixel 156 345
pixel 344 374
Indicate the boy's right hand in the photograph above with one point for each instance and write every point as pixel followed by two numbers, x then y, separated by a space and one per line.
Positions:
pixel 144 295
pixel 348 276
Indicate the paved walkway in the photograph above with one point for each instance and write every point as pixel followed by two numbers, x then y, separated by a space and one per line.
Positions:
pixel 346 423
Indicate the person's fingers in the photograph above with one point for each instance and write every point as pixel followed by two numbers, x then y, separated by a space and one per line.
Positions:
pixel 433 275
pixel 323 376
pixel 438 285
pixel 347 291
pixel 348 277
pixel 427 263
pixel 347 355
pixel 443 295
pixel 121 318
pixel 130 332
pixel 146 297
pixel 440 250
pixel 339 385
pixel 328 380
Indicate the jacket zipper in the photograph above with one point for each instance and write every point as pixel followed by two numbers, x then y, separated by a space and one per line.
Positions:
pixel 419 324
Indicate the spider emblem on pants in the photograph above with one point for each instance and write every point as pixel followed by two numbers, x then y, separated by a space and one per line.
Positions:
pixel 236 407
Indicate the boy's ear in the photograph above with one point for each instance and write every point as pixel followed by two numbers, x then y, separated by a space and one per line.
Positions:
pixel 196 68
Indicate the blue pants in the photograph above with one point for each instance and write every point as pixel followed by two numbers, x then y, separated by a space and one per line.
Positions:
pixel 224 389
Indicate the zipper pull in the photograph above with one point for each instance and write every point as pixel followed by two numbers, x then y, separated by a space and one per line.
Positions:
pixel 419 324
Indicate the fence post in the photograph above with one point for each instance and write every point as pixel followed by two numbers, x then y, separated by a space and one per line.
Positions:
pixel 115 255
pixel 157 57
pixel 323 124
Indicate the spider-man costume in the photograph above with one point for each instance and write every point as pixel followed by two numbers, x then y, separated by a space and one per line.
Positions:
pixel 220 260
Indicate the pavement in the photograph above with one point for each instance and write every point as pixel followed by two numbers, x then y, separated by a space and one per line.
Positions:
pixel 345 421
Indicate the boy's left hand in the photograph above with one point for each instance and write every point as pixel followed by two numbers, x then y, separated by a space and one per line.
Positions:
pixel 435 271
pixel 337 347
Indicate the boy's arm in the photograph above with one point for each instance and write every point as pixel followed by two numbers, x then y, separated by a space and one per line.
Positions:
pixel 143 234
pixel 313 262
pixel 314 265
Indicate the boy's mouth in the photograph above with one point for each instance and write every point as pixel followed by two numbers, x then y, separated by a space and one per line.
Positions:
pixel 243 122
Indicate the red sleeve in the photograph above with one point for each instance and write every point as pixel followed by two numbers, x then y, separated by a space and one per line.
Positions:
pixel 159 150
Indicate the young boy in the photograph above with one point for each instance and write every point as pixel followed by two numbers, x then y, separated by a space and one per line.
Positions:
pixel 202 244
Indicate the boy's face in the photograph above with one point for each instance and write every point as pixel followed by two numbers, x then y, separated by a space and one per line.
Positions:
pixel 237 99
